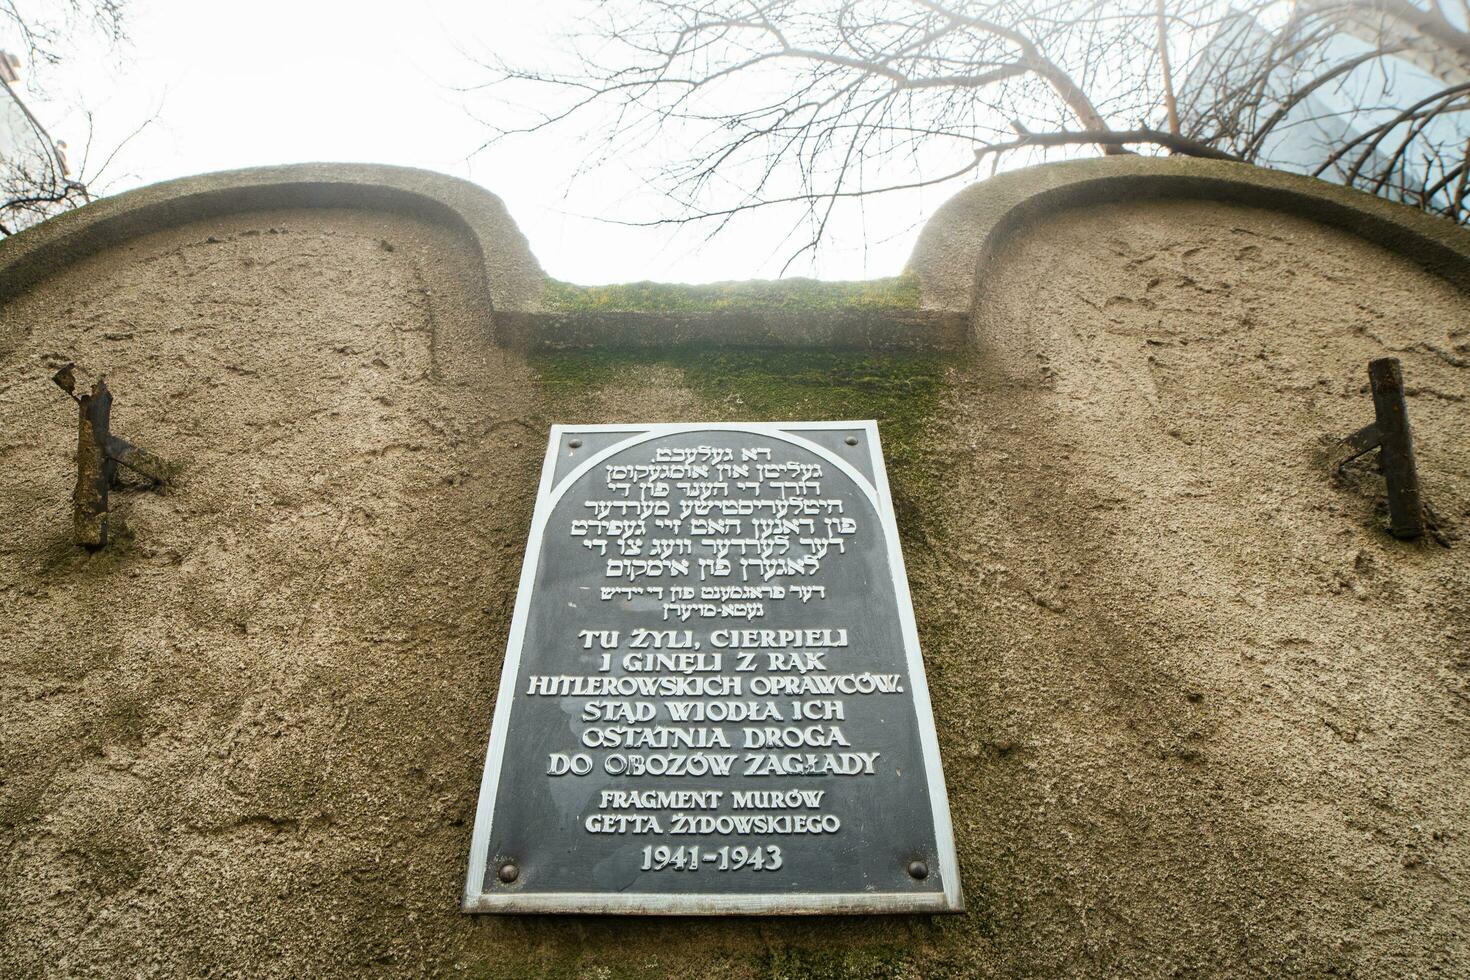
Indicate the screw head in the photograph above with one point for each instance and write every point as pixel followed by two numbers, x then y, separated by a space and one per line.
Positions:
pixel 509 872
pixel 919 870
pixel 851 440
pixel 575 444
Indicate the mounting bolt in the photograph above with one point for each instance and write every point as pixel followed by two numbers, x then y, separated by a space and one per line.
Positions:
pixel 509 872
pixel 919 870
pixel 575 444
pixel 851 440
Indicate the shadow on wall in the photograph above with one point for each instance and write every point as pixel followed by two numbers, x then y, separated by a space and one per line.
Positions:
pixel 1199 712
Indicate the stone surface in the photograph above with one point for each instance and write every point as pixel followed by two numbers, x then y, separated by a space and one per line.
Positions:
pixel 958 245
pixel 511 274
pixel 1199 712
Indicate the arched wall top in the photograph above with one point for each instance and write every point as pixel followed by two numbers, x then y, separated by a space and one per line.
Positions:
pixel 513 276
pixel 957 245
pixel 949 260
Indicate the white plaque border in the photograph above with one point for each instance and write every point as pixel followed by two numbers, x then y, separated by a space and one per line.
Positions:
pixel 476 899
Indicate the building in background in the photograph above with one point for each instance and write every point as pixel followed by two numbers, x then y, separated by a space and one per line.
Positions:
pixel 35 178
pixel 1380 103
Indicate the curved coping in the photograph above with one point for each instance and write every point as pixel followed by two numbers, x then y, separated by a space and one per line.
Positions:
pixel 513 277
pixel 958 244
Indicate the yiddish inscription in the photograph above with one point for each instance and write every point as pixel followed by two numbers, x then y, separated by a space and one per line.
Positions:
pixel 713 699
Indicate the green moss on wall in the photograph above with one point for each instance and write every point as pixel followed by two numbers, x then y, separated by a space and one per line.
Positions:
pixel 882 963
pixel 803 960
pixel 894 293
pixel 899 391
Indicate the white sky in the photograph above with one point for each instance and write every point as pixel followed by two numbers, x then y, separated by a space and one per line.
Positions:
pixel 272 81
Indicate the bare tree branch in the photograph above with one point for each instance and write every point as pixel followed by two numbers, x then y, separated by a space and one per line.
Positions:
pixel 36 179
pixel 811 104
pixel 1111 137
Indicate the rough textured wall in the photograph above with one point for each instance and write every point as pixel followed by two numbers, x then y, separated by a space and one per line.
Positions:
pixel 1218 715
pixel 244 738
pixel 1198 712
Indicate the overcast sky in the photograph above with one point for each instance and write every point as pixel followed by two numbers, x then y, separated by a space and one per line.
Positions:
pixel 280 81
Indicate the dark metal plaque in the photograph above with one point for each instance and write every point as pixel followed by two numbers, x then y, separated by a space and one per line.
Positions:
pixel 713 699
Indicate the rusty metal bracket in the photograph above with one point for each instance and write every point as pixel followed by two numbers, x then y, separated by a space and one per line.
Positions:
pixel 99 453
pixel 1390 434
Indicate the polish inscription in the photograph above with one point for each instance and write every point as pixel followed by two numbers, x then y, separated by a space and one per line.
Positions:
pixel 712 692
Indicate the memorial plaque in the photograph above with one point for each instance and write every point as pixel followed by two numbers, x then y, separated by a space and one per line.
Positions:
pixel 713 700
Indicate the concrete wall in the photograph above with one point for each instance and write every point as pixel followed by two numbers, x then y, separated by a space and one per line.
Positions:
pixel 1199 712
